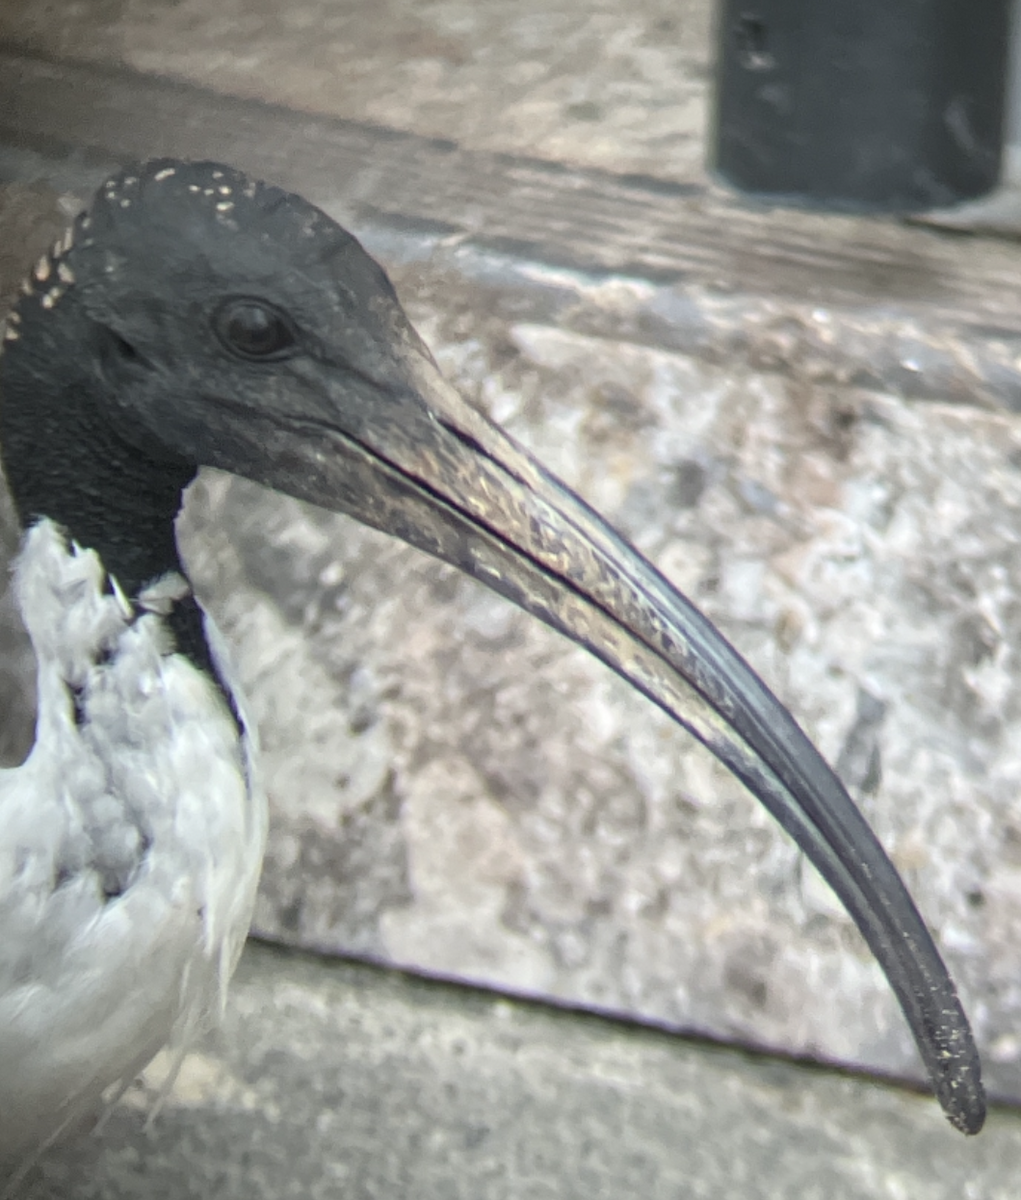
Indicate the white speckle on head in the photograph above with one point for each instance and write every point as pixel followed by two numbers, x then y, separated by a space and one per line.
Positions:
pixel 86 222
pixel 225 206
pixel 224 190
pixel 11 335
pixel 209 191
pixel 217 174
pixel 14 317
pixel 51 297
pixel 249 190
pixel 67 241
pixel 65 273
pixel 125 202
pixel 42 269
pixel 194 187
pixel 164 174
pixel 26 287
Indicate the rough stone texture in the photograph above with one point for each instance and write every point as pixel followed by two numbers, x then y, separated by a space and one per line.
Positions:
pixel 456 789
pixel 331 1081
pixel 592 82
pixel 536 826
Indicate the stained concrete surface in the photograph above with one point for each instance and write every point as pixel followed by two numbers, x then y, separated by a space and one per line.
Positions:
pixel 330 1081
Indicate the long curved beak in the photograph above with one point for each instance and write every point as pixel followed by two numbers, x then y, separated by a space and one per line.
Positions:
pixel 413 459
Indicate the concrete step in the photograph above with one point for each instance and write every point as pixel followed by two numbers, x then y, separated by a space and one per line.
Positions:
pixel 330 1078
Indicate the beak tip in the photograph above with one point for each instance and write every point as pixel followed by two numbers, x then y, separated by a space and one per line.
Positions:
pixel 971 1120
pixel 964 1102
pixel 970 1123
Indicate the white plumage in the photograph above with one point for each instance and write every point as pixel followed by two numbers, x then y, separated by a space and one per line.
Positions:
pixel 133 838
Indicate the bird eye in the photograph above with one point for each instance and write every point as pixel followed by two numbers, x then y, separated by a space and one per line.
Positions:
pixel 254 329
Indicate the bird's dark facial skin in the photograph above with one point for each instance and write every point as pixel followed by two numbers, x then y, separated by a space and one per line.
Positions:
pixel 236 326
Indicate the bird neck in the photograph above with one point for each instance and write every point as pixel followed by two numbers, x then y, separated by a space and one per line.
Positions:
pixel 65 460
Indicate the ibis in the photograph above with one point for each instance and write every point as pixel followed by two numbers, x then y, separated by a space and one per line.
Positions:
pixel 195 317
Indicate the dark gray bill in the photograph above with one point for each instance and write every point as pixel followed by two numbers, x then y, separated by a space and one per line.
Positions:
pixel 422 464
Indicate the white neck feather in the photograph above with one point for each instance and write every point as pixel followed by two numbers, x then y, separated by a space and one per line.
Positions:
pixel 131 841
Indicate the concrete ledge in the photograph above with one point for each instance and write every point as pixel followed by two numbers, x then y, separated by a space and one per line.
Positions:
pixel 332 1079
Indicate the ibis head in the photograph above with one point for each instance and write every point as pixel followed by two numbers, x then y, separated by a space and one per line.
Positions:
pixel 195 317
